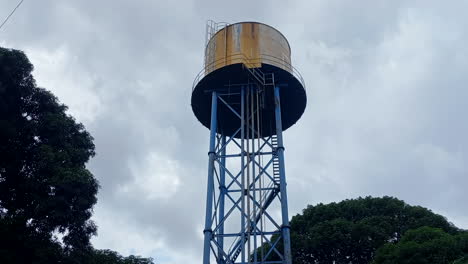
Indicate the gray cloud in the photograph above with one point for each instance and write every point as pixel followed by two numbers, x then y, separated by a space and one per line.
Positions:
pixel 386 113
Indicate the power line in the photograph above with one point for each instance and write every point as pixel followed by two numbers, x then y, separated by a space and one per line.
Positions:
pixel 12 12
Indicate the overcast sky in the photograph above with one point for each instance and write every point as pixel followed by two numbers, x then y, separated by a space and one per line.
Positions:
pixel 386 115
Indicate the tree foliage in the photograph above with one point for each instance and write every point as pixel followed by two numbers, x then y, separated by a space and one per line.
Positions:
pixel 424 245
pixel 462 260
pixel 352 230
pixel 112 257
pixel 45 189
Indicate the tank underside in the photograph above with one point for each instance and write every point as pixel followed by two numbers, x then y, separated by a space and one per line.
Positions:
pixel 228 81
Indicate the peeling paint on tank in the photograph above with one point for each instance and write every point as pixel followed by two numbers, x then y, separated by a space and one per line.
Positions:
pixel 250 43
pixel 236 37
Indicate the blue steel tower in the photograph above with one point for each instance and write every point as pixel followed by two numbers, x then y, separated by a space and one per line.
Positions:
pixel 247 94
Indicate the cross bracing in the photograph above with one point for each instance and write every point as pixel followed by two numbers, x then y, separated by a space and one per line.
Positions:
pixel 246 216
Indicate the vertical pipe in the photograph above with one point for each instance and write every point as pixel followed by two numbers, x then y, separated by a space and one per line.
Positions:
pixel 247 128
pixel 222 193
pixel 242 175
pixel 254 191
pixel 284 197
pixel 260 182
pixel 209 196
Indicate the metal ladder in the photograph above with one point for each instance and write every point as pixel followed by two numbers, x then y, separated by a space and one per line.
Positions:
pixel 269 79
pixel 256 73
pixel 264 80
pixel 276 163
pixel 268 197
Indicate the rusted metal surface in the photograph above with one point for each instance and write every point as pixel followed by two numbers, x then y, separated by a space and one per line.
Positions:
pixel 250 43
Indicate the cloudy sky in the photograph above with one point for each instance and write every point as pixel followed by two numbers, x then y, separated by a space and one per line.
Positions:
pixel 387 104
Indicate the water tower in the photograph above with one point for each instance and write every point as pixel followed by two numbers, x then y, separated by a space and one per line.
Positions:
pixel 247 94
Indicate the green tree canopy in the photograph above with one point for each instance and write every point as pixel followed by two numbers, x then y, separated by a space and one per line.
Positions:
pixel 352 230
pixel 424 245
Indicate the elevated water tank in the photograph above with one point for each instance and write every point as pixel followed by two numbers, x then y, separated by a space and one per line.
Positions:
pixel 248 54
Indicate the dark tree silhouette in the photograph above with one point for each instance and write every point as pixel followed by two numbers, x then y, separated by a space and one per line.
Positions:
pixel 111 257
pixel 352 230
pixel 45 188
pixel 46 191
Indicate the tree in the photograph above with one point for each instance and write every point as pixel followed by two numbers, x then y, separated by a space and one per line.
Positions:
pixel 424 245
pixel 112 257
pixel 45 188
pixel 463 260
pixel 352 230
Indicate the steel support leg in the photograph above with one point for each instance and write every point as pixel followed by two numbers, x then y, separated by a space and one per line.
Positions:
pixel 209 196
pixel 285 228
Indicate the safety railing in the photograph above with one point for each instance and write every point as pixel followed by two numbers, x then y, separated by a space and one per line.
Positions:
pixel 250 63
pixel 212 28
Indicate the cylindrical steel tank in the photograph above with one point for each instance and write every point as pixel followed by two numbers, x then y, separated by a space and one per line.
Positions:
pixel 242 55
pixel 249 43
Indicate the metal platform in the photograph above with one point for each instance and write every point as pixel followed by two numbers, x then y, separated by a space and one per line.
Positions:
pixel 228 81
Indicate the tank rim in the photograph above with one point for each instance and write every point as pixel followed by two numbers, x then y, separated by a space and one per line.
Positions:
pixel 291 112
pixel 293 70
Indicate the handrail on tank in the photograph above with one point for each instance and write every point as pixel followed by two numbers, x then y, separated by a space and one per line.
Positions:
pixel 212 27
pixel 250 62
